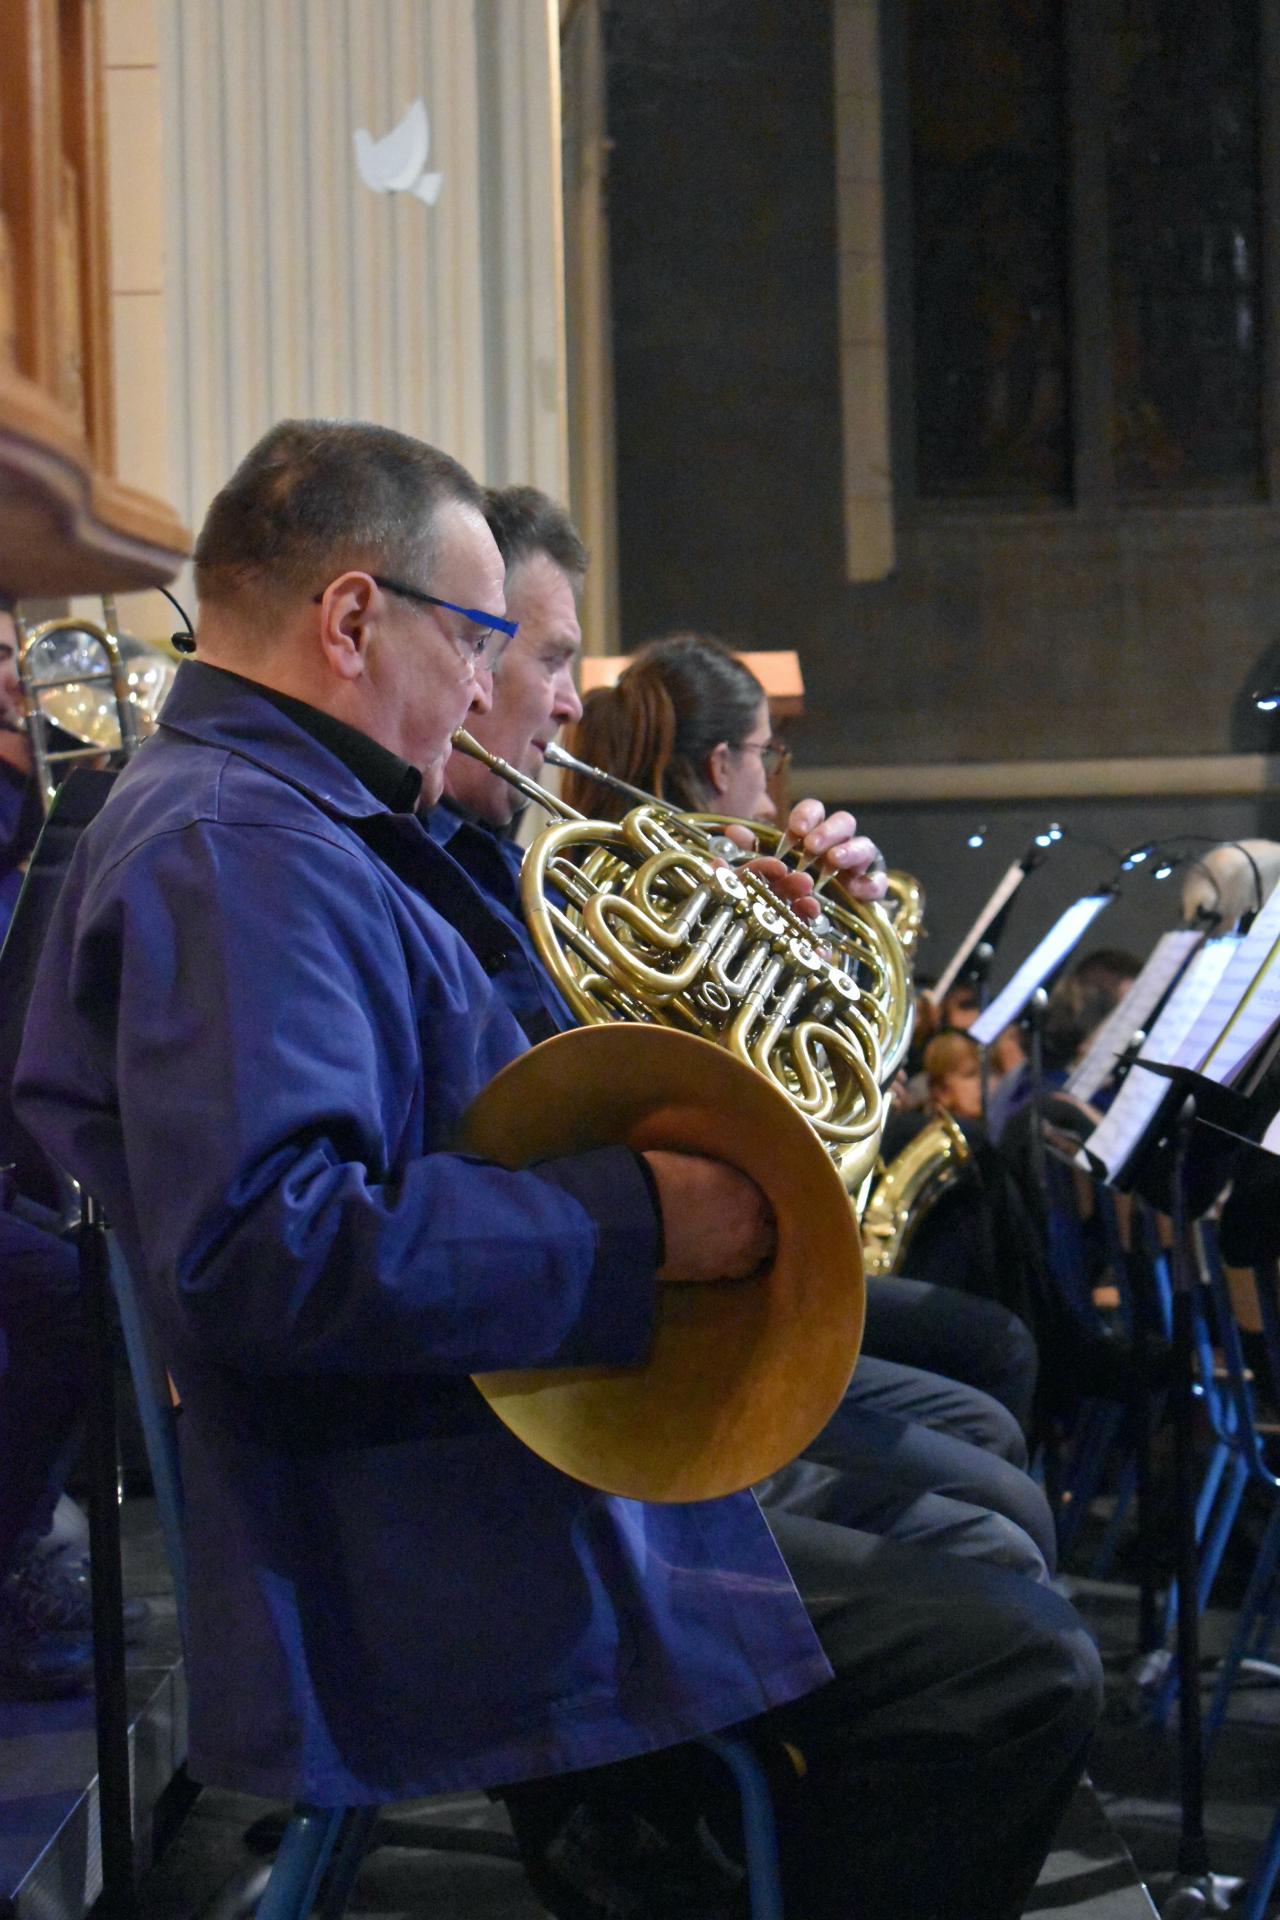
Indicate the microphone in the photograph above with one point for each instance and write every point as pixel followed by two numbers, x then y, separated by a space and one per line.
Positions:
pixel 184 642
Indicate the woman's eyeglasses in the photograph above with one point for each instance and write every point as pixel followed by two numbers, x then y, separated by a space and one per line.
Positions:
pixel 774 754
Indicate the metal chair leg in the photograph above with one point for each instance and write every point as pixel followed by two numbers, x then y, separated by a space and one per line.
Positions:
pixel 760 1837
pixel 1251 1625
pixel 111 1700
pixel 1264 1876
pixel 300 1864
pixel 357 1831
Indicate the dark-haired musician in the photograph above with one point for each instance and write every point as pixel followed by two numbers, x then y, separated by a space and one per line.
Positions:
pixel 268 997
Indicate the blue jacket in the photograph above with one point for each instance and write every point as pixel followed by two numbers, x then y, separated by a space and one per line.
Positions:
pixel 19 823
pixel 493 864
pixel 253 1037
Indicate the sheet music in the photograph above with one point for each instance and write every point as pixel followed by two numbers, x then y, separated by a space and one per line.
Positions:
pixel 1037 967
pixel 1236 1019
pixel 1130 1014
pixel 1008 886
pixel 1252 1027
pixel 1117 1134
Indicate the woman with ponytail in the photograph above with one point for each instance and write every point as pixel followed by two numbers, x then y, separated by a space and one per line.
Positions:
pixel 689 721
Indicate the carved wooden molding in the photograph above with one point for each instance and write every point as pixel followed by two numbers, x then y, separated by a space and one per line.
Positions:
pixel 68 523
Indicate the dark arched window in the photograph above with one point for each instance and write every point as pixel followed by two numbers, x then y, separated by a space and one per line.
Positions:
pixel 1086 184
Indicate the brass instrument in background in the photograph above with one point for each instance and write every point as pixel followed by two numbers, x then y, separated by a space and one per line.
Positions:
pixel 101 689
pixel 906 1188
pixel 714 1023
pixel 904 904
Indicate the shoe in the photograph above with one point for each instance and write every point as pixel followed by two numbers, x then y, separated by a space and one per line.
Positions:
pixel 37 1664
pixel 50 1667
pixel 68 1534
pixel 50 1594
pixel 617 1866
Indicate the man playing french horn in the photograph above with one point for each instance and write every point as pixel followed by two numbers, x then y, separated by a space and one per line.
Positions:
pixel 266 1001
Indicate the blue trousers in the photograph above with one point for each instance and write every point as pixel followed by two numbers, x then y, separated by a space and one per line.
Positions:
pixel 909 1456
pixel 973 1340
pixel 43 1376
pixel 937 1762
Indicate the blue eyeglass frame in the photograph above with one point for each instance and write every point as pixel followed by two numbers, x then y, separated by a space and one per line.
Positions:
pixel 488 622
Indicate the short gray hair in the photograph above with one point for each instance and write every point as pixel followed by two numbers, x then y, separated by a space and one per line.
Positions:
pixel 316 496
pixel 525 521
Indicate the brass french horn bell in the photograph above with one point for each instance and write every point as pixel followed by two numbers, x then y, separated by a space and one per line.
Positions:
pixel 741 1374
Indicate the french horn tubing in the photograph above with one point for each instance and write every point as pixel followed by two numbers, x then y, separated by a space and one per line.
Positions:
pixel 643 920
pixel 866 937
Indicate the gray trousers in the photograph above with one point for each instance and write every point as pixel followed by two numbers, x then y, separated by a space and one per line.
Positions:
pixel 940 1759
pixel 912 1457
pixel 935 1764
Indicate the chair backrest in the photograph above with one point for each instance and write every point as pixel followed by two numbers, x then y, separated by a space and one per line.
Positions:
pixel 77 801
pixel 159 1418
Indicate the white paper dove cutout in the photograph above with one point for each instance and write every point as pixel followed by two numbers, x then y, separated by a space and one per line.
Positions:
pixel 397 163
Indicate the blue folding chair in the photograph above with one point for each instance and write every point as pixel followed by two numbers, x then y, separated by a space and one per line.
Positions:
pixel 320 1854
pixel 1235 1457
pixel 1257 1894
pixel 1098 1426
pixel 1259 1612
pixel 1259 1617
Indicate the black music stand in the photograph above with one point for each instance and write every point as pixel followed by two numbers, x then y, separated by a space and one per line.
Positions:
pixel 1023 996
pixel 972 959
pixel 1206 1117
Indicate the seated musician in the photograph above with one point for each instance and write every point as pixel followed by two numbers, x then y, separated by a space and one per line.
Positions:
pixel 952 1068
pixel 267 998
pixel 45 1608
pixel 904 1456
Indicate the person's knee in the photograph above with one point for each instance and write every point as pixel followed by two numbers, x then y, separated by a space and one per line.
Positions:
pixel 1008 1546
pixel 1068 1670
pixel 1003 1436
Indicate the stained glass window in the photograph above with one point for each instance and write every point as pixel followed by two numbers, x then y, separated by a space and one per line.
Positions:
pixel 1183 230
pixel 989 191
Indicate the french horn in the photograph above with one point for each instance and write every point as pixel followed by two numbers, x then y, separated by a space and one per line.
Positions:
pixel 862 937
pixel 714 1022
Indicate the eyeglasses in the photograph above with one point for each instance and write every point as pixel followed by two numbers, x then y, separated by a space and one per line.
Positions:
pixel 773 754
pixel 482 649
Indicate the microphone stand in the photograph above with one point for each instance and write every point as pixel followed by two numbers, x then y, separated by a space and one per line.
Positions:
pixel 1037 1007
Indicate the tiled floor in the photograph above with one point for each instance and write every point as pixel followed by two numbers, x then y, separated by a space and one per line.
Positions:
pixel 1135 1767
pixel 45 1764
pixel 49 1860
